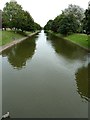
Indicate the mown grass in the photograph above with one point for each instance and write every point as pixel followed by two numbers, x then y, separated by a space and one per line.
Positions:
pixel 89 41
pixel 9 36
pixel 81 39
pixel 0 37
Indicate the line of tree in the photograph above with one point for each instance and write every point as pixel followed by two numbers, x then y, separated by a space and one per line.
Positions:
pixel 0 19
pixel 14 17
pixel 86 21
pixel 74 19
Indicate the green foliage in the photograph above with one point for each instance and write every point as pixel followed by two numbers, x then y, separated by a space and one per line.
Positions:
pixel 70 21
pixel 15 17
pixel 0 37
pixel 48 25
pixel 11 15
pixel 56 23
pixel 81 39
pixel 87 21
pixel 9 36
pixel 68 25
pixel 78 13
pixel 37 26
pixel 76 10
pixel 27 22
pixel 65 24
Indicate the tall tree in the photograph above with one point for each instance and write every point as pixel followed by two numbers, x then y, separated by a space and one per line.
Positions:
pixel 48 26
pixel 37 26
pixel 15 17
pixel 70 21
pixel 27 22
pixel 56 23
pixel 0 19
pixel 76 10
pixel 11 14
pixel 68 25
pixel 87 21
pixel 78 13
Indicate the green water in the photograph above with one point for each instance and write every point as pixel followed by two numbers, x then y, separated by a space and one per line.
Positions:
pixel 45 77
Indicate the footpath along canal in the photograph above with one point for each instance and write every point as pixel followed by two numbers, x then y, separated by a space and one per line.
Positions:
pixel 45 77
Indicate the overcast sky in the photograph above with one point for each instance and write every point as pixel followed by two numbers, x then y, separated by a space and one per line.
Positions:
pixel 44 10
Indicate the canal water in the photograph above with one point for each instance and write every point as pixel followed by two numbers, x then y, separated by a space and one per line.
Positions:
pixel 45 77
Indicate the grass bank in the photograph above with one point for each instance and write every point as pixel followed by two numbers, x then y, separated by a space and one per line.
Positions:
pixel 9 36
pixel 82 40
pixel 14 42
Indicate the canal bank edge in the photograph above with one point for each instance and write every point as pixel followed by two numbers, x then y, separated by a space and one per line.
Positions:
pixel 4 47
pixel 88 50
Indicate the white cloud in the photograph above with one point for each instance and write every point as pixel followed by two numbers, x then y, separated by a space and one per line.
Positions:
pixel 43 10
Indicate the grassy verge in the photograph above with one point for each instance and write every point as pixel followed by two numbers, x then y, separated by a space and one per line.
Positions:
pixel 0 37
pixel 89 41
pixel 81 39
pixel 9 36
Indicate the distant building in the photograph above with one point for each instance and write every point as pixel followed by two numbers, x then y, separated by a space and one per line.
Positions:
pixel 89 5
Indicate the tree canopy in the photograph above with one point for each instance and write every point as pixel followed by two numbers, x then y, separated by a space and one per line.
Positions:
pixel 14 16
pixel 76 10
pixel 69 21
pixel 87 21
pixel 68 25
pixel 48 25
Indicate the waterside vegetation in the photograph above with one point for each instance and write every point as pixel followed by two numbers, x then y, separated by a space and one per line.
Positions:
pixel 9 36
pixel 16 23
pixel 73 24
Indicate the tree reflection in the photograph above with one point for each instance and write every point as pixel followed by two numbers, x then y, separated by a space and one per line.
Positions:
pixel 20 53
pixel 73 52
pixel 0 92
pixel 82 81
pixel 65 48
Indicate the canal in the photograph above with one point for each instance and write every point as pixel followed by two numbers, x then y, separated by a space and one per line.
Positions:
pixel 45 77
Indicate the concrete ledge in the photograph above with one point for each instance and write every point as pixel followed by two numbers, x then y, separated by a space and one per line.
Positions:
pixel 4 47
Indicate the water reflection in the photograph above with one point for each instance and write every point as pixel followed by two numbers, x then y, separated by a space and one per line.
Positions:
pixel 20 53
pixel 46 88
pixel 72 54
pixel 0 87
pixel 65 48
pixel 82 82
